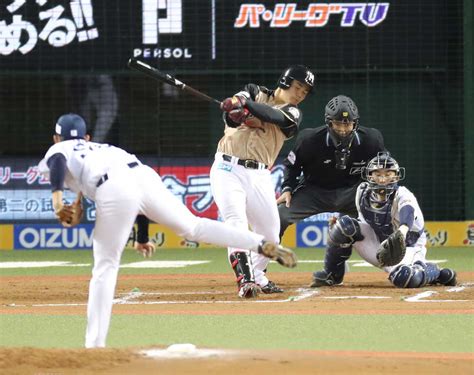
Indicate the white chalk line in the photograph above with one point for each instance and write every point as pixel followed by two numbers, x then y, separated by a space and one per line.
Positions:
pixel 358 297
pixel 302 293
pixel 128 299
pixel 420 297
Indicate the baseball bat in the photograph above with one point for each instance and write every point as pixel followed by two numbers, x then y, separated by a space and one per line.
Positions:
pixel 170 80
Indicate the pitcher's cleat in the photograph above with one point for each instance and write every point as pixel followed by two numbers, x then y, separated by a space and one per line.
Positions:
pixel 282 255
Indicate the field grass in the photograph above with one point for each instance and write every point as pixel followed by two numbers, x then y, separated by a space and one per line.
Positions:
pixel 460 259
pixel 387 333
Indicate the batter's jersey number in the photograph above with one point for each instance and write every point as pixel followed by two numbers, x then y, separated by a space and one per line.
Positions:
pixel 161 17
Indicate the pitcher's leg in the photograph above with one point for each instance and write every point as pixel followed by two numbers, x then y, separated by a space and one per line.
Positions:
pixel 163 207
pixel 112 228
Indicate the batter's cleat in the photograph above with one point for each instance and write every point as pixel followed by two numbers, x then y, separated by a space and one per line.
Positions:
pixel 271 288
pixel 322 278
pixel 249 290
pixel 282 255
pixel 447 277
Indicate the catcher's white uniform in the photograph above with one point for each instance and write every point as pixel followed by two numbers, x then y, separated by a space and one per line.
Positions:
pixel 377 224
pixel 122 187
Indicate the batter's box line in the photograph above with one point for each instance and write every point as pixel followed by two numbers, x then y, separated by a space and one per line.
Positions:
pixel 128 298
pixel 428 293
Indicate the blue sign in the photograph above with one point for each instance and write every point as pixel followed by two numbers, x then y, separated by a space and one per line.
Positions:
pixel 312 234
pixel 52 236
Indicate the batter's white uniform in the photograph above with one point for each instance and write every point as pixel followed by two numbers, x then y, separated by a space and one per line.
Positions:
pixel 245 195
pixel 367 248
pixel 122 188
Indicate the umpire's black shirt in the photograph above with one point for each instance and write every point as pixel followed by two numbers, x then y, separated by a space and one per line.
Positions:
pixel 314 154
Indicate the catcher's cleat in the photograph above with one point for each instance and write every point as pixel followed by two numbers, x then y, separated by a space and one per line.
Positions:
pixel 447 277
pixel 271 288
pixel 249 290
pixel 322 278
pixel 282 255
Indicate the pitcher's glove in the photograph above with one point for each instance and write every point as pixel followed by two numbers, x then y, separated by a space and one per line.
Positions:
pixel 392 250
pixel 70 215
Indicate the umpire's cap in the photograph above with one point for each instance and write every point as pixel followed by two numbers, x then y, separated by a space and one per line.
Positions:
pixel 71 126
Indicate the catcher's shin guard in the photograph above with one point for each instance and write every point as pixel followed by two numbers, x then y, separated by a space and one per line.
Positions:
pixel 334 267
pixel 431 272
pixel 408 276
pixel 241 264
pixel 344 232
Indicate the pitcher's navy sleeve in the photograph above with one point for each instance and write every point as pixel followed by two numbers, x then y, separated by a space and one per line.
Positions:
pixel 142 229
pixel 57 171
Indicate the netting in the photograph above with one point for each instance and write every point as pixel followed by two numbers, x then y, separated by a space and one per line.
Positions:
pixel 401 62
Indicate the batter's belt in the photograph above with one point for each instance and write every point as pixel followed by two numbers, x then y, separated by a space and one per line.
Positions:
pixel 246 163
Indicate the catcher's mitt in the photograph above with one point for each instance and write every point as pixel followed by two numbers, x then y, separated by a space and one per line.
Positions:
pixel 70 214
pixel 392 250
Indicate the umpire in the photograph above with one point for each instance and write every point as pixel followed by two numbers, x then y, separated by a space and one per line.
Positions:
pixel 324 169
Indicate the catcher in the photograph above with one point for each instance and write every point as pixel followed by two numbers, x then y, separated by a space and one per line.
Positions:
pixel 387 234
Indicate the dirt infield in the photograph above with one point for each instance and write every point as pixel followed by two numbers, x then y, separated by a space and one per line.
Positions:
pixel 27 361
pixel 216 294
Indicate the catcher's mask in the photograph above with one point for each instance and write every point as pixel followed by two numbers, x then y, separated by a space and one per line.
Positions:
pixel 342 109
pixel 382 173
pixel 298 73
pixel 71 126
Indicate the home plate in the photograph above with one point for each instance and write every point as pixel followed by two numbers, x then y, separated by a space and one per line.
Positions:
pixel 182 351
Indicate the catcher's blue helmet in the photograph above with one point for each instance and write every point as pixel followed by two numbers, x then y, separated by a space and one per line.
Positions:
pixel 380 193
pixel 71 126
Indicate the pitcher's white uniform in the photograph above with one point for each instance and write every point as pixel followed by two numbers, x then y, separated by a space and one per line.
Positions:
pixel 377 224
pixel 122 187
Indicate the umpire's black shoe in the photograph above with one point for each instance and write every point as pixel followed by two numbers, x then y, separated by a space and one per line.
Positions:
pixel 447 277
pixel 271 288
pixel 322 278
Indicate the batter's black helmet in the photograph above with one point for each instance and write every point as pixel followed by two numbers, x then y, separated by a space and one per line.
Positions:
pixel 299 73
pixel 71 126
pixel 341 108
